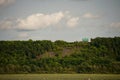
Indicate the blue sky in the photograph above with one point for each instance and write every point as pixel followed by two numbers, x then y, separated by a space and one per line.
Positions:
pixel 69 20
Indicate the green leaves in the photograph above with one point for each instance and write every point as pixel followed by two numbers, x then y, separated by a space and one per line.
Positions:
pixel 101 55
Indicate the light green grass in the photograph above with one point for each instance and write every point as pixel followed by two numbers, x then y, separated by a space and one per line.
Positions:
pixel 60 77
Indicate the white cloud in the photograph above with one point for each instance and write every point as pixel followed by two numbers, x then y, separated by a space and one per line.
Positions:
pixel 6 2
pixel 6 24
pixel 115 24
pixel 40 20
pixel 72 22
pixel 36 21
pixel 89 15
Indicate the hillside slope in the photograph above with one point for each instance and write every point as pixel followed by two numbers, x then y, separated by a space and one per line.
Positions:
pixel 101 55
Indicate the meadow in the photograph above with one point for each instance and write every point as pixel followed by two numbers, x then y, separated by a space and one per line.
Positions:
pixel 59 77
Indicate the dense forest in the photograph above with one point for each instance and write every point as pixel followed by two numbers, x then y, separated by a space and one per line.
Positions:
pixel 100 55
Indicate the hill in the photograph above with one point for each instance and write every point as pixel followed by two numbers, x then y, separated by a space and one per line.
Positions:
pixel 101 55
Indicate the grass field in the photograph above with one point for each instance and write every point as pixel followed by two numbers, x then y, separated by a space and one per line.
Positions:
pixel 59 77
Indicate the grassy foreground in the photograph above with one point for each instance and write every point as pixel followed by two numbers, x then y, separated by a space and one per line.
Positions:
pixel 60 77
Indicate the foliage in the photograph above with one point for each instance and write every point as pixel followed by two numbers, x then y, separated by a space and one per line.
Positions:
pixel 101 55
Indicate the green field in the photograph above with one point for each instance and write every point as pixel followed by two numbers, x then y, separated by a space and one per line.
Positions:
pixel 59 77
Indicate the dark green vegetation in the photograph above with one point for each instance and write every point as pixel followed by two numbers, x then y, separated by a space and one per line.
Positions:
pixel 101 55
pixel 59 77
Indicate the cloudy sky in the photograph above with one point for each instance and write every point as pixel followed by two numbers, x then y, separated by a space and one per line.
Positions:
pixel 68 20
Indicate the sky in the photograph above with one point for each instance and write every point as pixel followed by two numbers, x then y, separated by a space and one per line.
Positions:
pixel 68 20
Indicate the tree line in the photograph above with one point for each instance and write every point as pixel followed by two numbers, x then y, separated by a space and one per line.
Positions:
pixel 101 55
